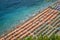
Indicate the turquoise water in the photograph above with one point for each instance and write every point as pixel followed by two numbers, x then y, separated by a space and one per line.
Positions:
pixel 15 12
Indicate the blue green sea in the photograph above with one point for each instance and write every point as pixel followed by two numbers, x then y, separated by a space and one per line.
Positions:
pixel 15 12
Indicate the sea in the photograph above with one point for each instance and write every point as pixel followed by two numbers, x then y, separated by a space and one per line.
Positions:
pixel 16 12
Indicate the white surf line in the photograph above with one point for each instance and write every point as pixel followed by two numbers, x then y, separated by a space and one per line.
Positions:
pixel 24 24
pixel 44 11
pixel 36 26
pixel 32 25
pixel 27 26
pixel 43 21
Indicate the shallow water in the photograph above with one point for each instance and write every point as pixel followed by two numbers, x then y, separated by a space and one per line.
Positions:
pixel 15 12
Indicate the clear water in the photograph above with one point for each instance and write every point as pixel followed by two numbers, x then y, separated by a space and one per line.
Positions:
pixel 15 12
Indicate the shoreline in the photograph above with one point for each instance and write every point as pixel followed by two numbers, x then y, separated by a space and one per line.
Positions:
pixel 33 17
pixel 26 20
